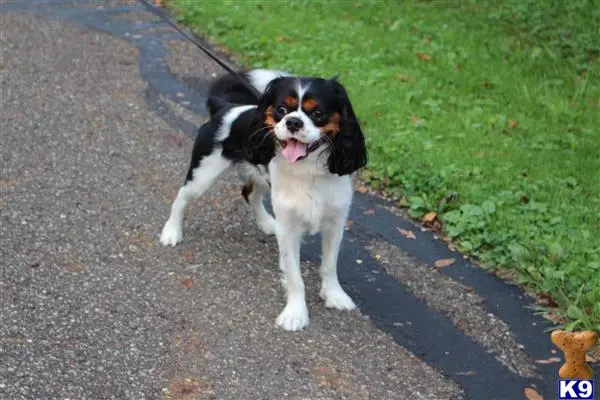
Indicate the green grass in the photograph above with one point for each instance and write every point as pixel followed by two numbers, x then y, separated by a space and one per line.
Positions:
pixel 486 112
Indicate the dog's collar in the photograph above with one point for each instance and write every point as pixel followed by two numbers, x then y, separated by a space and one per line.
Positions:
pixel 312 147
pixel 315 145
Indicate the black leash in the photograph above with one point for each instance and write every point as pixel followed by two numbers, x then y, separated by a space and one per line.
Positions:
pixel 163 15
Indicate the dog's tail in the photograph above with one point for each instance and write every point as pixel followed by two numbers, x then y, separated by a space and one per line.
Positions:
pixel 215 105
pixel 228 90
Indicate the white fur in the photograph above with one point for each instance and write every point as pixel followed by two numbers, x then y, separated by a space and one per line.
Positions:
pixel 228 120
pixel 301 91
pixel 259 176
pixel 309 131
pixel 260 78
pixel 202 177
pixel 307 134
pixel 306 198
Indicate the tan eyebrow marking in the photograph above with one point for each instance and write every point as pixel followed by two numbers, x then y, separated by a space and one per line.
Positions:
pixel 290 101
pixel 309 104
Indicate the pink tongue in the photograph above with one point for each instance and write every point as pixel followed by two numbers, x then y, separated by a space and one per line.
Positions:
pixel 294 150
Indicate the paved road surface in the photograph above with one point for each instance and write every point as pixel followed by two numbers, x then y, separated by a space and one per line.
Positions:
pixel 100 102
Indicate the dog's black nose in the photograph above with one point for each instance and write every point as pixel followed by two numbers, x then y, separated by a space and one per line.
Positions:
pixel 293 124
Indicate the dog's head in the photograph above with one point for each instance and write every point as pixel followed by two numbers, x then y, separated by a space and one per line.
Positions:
pixel 307 115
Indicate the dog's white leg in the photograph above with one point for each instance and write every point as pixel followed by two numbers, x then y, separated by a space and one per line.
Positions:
pixel 294 316
pixel 331 290
pixel 253 192
pixel 202 177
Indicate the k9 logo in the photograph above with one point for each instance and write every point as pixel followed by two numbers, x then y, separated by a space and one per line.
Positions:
pixel 575 389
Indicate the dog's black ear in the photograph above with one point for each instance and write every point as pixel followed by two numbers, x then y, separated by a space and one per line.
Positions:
pixel 261 143
pixel 349 151
pixel 268 97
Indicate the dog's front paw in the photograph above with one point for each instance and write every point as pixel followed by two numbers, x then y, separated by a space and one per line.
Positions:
pixel 335 297
pixel 294 317
pixel 171 234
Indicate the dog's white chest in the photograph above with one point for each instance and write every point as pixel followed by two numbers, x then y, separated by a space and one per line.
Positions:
pixel 309 201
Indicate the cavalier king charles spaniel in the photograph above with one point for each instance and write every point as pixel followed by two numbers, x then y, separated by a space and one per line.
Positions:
pixel 301 142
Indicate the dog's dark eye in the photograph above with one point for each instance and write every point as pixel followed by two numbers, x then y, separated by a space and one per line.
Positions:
pixel 317 114
pixel 281 110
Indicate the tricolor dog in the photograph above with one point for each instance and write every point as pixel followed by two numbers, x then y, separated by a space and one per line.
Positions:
pixel 300 141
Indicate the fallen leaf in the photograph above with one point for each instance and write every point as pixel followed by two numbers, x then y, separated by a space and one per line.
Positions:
pixel 370 211
pixel 329 377
pixel 189 256
pixel 348 224
pixel 524 199
pixel 545 300
pixel 424 57
pixel 187 282
pixel 553 316
pixel 548 360
pixel 362 189
pixel 444 262
pixel 187 389
pixel 532 394
pixel 431 221
pixel 405 78
pixel 407 234
pixel 122 95
pixel 74 267
pixel 4 183
pixel 414 119
pixel 429 217
pixel 513 123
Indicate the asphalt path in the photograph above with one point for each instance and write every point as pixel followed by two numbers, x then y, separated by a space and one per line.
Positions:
pixel 100 103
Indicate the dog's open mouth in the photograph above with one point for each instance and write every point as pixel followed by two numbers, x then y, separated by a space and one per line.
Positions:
pixel 293 150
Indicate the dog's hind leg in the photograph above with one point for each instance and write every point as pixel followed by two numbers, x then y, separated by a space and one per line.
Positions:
pixel 253 192
pixel 198 180
pixel 257 184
